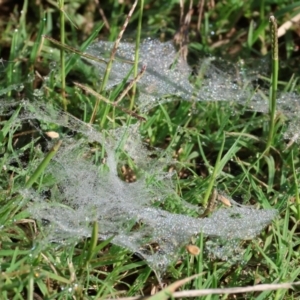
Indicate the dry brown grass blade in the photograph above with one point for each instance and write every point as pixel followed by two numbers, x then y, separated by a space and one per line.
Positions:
pixel 181 37
pixel 111 59
pixel 200 14
pixel 226 291
pixel 74 50
pixel 131 83
pixel 102 14
pixel 100 97
pixel 117 42
pixel 287 25
pixel 169 290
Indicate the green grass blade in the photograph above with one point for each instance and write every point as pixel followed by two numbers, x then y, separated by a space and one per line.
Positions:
pixel 72 60
pixel 219 165
pixel 93 243
pixel 40 169
pixel 8 124
pixel 214 174
pixel 137 47
pixel 37 43
pixel 62 53
pixel 297 198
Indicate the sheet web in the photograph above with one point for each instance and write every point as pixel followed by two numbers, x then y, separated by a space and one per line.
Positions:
pixel 80 192
pixel 168 74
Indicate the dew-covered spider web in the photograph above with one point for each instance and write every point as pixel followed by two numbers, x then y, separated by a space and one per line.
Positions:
pixel 80 191
pixel 168 74
pixel 77 192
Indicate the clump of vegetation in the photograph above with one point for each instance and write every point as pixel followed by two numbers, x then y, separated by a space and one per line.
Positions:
pixel 118 159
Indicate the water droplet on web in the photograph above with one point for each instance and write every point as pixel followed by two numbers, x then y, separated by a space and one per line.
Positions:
pixel 30 77
pixel 194 111
pixel 19 87
pixel 52 65
pixel 38 92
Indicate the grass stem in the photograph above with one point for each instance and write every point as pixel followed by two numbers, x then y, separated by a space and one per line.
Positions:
pixel 62 52
pixel 110 62
pixel 137 52
pixel 42 166
pixel 274 80
pixel 297 198
pixel 214 175
pixel 93 243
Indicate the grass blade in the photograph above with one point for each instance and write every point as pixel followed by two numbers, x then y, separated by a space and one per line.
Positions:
pixel 40 169
pixel 273 94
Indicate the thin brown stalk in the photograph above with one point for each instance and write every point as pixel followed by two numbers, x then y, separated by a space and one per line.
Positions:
pixel 181 37
pixel 131 83
pixel 118 40
pixel 102 98
pixel 102 14
pixel 200 14
pixel 181 5
pixel 225 291
pixel 112 56
pixel 74 50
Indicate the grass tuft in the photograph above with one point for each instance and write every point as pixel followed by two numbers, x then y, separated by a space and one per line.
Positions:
pixel 215 146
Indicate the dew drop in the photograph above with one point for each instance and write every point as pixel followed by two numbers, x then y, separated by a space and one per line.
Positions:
pixel 30 77
pixel 19 87
pixel 53 65
pixel 38 93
